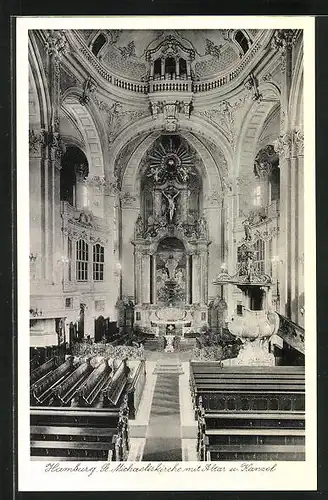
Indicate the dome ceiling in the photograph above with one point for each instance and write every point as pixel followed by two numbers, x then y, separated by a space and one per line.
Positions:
pixel 124 52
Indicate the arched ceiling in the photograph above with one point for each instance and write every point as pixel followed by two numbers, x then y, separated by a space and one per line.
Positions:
pixel 125 51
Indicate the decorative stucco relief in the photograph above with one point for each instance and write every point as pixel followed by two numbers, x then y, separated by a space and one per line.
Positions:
pixel 117 116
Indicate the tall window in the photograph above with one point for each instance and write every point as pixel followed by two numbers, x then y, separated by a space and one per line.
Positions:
pixel 82 258
pixel 259 261
pixel 242 40
pixel 98 44
pixel 257 196
pixel 98 263
pixel 69 255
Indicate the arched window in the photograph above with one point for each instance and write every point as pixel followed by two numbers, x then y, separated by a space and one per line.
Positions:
pixel 98 44
pixel 169 66
pixel 242 41
pixel 98 262
pixel 259 258
pixel 72 157
pixel 182 66
pixel 257 196
pixel 157 68
pixel 82 260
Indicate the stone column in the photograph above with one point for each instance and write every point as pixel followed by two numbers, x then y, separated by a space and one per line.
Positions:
pixel 145 278
pixel 187 279
pixel 203 275
pixel 184 204
pixel 56 46
pixel 151 69
pixel 195 278
pixel 162 68
pixel 177 68
pixel 297 227
pixel 138 274
pixel 38 202
pixel 154 280
pixel 188 68
pixel 157 202
pixel 283 41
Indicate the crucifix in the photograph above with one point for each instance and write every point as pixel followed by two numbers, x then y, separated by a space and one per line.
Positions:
pixel 170 196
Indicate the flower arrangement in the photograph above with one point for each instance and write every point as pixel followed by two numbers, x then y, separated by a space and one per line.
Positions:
pixel 213 346
pixel 108 351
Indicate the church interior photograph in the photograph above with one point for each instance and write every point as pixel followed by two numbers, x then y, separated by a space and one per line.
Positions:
pixel 166 208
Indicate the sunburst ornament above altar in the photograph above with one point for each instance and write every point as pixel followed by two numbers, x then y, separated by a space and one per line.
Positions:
pixel 170 161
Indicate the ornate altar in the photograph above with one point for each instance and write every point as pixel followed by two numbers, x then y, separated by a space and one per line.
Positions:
pixel 171 241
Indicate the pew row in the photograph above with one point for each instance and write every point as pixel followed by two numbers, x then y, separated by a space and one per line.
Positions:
pixel 77 434
pixel 243 388
pixel 251 436
pixel 248 413
pixel 41 391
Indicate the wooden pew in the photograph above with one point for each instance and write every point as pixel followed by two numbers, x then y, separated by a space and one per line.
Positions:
pixel 65 392
pixel 43 370
pixel 41 391
pixel 77 434
pixel 113 392
pixel 135 386
pixel 92 387
pixel 249 413
pixel 247 388
pixel 251 436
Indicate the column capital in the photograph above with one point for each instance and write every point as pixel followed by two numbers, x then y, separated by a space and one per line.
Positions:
pixel 56 43
pixel 283 39
pixel 37 141
pixel 283 145
pixel 298 142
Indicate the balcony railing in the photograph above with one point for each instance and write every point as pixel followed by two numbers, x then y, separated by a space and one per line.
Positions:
pixel 170 85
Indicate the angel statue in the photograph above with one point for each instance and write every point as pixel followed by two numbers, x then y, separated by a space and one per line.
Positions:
pixel 170 198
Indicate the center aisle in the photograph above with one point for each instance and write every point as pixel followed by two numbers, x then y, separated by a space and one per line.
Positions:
pixel 163 439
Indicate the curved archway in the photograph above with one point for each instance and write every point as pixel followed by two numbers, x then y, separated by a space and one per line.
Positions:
pixel 82 115
pixel 195 125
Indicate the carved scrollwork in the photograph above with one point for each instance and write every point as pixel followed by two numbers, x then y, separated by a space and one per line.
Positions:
pixel 283 39
pixel 89 87
pixel 127 199
pixel 283 145
pixel 37 141
pixel 56 43
pixel 298 141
